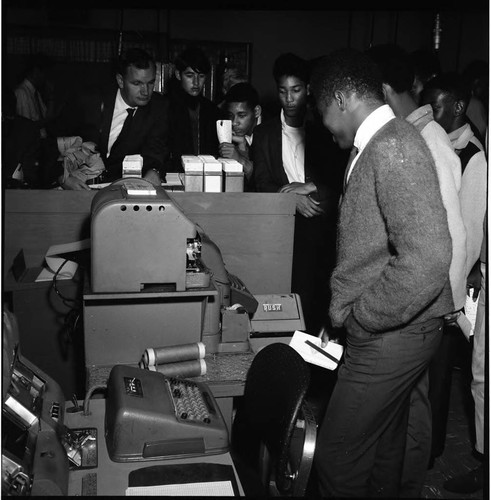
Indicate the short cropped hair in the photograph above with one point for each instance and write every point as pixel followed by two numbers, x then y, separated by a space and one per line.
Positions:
pixel 349 70
pixel 395 65
pixel 136 57
pixel 452 85
pixel 243 92
pixel 194 58
pixel 291 65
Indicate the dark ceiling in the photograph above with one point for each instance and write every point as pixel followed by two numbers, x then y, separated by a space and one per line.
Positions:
pixel 362 5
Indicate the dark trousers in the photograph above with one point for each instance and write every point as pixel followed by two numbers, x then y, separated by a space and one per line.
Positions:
pixel 428 415
pixel 360 447
pixel 454 350
pixel 418 440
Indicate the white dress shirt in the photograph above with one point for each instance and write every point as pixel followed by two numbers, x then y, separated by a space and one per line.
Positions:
pixel 119 116
pixel 30 104
pixel 293 151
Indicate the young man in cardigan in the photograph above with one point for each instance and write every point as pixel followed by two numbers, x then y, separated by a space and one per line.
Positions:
pixel 390 287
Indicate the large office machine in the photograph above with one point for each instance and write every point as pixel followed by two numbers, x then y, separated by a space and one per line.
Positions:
pixel 150 416
pixel 34 459
pixel 141 240
pixel 156 279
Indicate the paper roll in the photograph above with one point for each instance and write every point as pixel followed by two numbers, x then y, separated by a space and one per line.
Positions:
pixel 171 354
pixel 193 368
pixel 224 130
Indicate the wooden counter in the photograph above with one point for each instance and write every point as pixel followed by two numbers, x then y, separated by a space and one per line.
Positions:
pixel 254 231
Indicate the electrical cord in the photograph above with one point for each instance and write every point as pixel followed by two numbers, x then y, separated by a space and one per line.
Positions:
pixel 88 395
pixel 72 317
pixel 66 301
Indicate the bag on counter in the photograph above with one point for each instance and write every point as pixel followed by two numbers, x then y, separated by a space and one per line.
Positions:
pixel 80 159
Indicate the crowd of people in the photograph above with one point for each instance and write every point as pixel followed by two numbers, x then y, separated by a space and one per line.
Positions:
pixel 387 157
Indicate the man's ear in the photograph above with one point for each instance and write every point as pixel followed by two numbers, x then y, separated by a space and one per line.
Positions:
pixel 459 107
pixel 119 80
pixel 386 89
pixel 257 111
pixel 340 99
pixel 178 74
pixel 308 88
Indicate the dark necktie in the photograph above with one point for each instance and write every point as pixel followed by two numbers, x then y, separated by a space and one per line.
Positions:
pixel 353 153
pixel 125 131
pixel 39 105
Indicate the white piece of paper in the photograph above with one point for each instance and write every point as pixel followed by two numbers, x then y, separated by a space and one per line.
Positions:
pixel 224 130
pixel 55 262
pixel 467 321
pixel 18 173
pixel 99 186
pixel 139 187
pixel 208 489
pixel 173 179
pixel 470 308
pixel 309 347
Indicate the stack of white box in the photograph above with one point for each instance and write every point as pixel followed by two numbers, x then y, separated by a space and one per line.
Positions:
pixel 212 174
pixel 193 173
pixel 132 166
pixel 233 175
pixel 205 173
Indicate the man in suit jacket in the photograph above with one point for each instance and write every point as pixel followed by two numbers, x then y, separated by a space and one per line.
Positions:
pixel 290 153
pixel 100 118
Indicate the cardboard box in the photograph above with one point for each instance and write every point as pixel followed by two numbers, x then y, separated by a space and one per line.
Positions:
pixel 233 176
pixel 132 166
pixel 212 174
pixel 193 173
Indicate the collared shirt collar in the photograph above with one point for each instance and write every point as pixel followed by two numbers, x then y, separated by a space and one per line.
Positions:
pixel 461 136
pixel 421 116
pixel 120 103
pixel 370 126
pixel 248 138
pixel 29 85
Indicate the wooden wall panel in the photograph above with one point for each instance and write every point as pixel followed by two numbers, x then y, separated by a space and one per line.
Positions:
pixel 254 231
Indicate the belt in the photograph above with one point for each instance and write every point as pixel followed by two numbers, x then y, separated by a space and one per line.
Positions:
pixel 425 326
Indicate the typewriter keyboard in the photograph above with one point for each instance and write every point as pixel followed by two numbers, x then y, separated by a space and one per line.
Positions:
pixel 190 402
